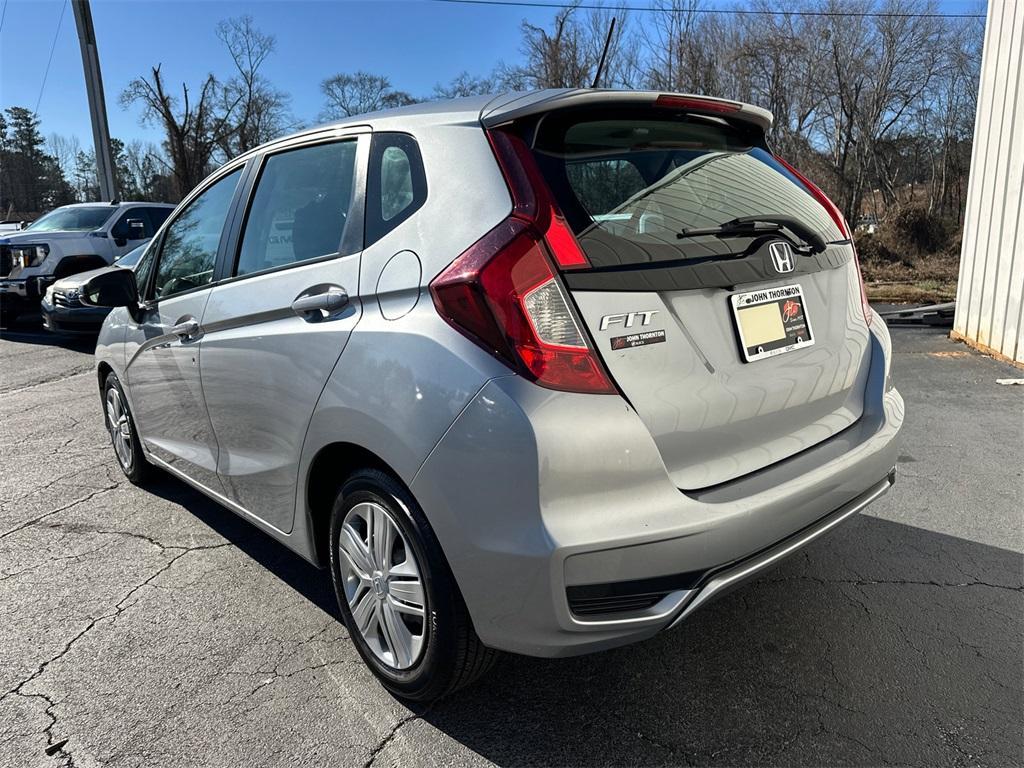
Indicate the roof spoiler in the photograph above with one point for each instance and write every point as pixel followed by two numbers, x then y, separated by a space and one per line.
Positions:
pixel 504 109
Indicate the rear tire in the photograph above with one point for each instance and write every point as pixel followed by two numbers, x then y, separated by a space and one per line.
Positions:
pixel 123 435
pixel 438 650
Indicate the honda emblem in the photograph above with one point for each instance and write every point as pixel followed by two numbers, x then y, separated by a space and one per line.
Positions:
pixel 782 256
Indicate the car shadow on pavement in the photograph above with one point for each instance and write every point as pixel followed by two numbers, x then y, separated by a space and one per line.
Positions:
pixel 29 330
pixel 884 643
pixel 300 575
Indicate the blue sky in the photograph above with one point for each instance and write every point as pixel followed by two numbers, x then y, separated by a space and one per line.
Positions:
pixel 414 42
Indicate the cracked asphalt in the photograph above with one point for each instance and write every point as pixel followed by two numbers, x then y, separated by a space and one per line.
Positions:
pixel 155 628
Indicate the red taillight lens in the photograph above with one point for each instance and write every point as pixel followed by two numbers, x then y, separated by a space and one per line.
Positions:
pixel 840 221
pixel 504 294
pixel 531 201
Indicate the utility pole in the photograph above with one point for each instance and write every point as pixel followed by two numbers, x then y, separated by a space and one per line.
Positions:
pixel 97 104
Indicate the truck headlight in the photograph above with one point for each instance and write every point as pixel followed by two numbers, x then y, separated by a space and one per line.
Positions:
pixel 29 255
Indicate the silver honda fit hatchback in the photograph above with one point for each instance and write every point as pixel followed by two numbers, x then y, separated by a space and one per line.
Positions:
pixel 540 373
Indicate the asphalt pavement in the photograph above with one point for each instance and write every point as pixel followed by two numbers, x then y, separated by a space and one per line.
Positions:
pixel 156 628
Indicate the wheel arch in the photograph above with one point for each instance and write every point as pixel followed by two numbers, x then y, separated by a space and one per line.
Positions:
pixel 103 370
pixel 330 469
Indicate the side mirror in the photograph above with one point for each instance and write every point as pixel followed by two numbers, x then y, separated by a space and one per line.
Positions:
pixel 114 287
pixel 129 229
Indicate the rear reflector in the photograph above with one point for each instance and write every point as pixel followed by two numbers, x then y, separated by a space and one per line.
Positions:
pixel 840 222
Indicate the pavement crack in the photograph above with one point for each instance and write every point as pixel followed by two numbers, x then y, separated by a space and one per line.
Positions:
pixel 52 747
pixel 898 582
pixel 119 608
pixel 50 513
pixel 42 382
pixel 73 528
pixel 389 737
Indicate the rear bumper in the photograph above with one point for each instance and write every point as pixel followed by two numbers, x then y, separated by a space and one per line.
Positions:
pixel 532 492
pixel 721 582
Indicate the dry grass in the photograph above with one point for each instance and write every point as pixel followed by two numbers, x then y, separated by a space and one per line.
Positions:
pixel 921 292
pixel 923 279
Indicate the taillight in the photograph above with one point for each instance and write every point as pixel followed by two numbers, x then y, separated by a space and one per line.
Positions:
pixel 504 292
pixel 837 216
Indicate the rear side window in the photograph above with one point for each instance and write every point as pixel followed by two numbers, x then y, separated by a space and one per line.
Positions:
pixel 396 186
pixel 189 248
pixel 629 183
pixel 300 207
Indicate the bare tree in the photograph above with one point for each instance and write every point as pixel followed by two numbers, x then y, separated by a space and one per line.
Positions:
pixel 64 149
pixel 880 68
pixel 359 92
pixel 567 55
pixel 465 84
pixel 193 132
pixel 260 111
pixel 686 50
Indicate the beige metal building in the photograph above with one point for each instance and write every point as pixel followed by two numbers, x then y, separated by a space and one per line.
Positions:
pixel 990 293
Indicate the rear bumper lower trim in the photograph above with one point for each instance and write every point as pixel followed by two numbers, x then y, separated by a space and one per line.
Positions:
pixel 732 576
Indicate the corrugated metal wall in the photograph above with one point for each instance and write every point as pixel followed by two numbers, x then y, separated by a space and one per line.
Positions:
pixel 990 294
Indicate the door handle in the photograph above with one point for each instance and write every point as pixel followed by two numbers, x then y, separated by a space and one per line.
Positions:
pixel 186 329
pixel 328 302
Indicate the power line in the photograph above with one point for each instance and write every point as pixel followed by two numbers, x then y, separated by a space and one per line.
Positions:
pixel 49 61
pixel 736 11
pixel 3 15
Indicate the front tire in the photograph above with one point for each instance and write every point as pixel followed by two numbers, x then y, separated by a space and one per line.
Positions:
pixel 396 594
pixel 123 435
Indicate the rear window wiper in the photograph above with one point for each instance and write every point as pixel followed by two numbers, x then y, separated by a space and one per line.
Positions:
pixel 755 225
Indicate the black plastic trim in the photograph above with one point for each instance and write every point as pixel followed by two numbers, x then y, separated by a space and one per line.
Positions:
pixel 714 272
pixel 622 596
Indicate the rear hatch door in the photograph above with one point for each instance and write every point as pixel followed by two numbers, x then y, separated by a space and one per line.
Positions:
pixel 720 294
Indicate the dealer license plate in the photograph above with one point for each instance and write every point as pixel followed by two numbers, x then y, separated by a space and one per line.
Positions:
pixel 771 321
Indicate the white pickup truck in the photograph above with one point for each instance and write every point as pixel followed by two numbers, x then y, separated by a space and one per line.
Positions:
pixel 68 240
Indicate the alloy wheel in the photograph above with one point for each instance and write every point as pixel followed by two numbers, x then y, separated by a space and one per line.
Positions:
pixel 383 585
pixel 120 428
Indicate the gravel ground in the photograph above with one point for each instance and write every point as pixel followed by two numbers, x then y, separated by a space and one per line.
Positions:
pixel 155 628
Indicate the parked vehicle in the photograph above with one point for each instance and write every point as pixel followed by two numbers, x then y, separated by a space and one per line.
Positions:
pixel 867 225
pixel 66 241
pixel 10 225
pixel 62 309
pixel 537 373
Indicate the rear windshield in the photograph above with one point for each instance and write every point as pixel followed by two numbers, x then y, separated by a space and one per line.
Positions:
pixel 629 183
pixel 73 219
